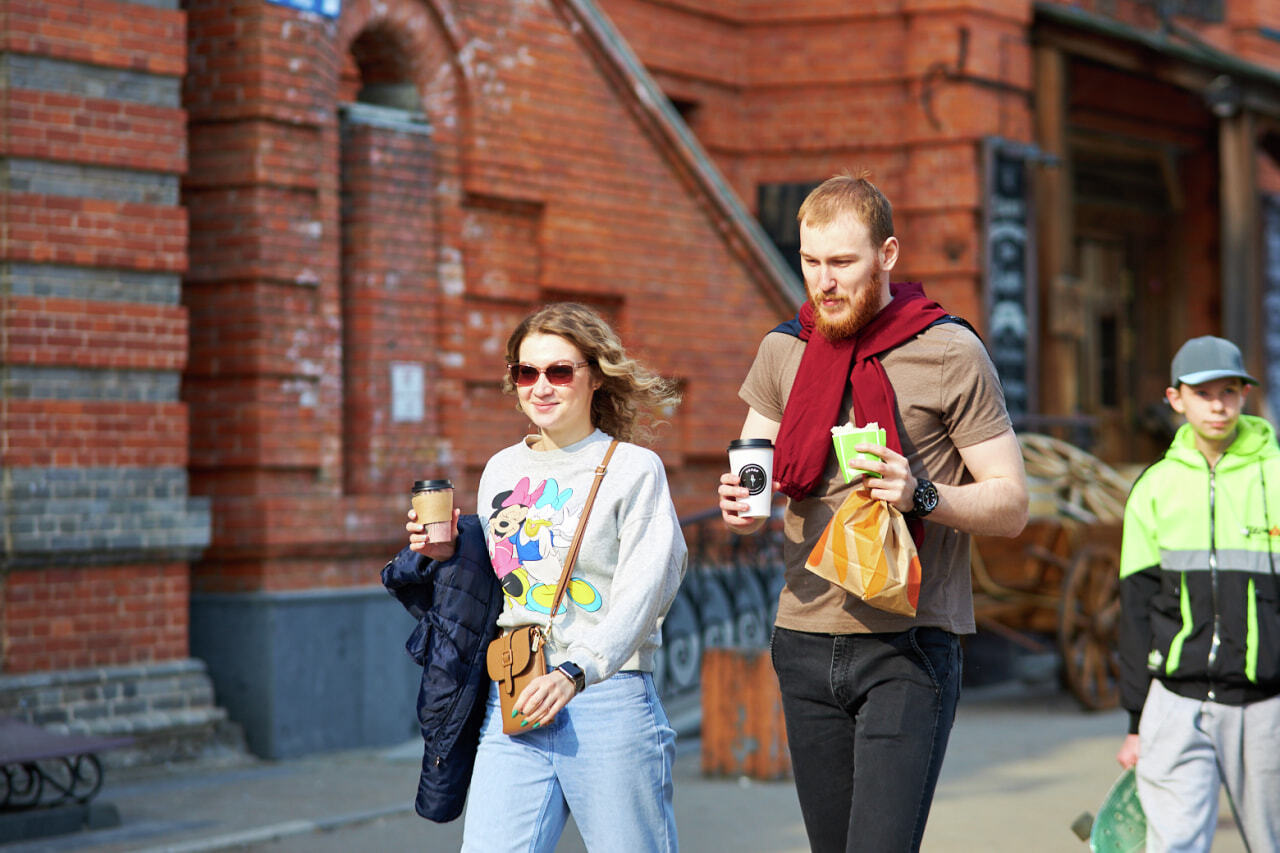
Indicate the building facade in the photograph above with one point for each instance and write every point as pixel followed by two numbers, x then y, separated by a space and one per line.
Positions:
pixel 1091 182
pixel 259 261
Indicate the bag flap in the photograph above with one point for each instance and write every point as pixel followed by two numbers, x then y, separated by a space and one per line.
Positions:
pixel 511 652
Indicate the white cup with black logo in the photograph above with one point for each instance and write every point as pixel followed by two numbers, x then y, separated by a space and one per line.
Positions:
pixel 752 460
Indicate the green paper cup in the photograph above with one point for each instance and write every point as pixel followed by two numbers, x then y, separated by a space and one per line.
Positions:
pixel 849 458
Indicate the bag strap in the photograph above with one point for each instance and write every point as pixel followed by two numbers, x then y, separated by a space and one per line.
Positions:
pixel 576 544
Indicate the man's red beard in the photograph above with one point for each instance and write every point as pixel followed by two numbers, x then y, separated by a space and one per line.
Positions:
pixel 864 305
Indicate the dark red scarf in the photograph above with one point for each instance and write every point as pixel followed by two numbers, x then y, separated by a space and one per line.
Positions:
pixel 804 439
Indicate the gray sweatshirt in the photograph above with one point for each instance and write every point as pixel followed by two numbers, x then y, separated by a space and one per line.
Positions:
pixel 631 562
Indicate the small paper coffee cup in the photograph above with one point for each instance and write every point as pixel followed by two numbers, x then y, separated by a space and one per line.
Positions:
pixel 433 502
pixel 752 460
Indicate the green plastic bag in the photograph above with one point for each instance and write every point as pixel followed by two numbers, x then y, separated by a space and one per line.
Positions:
pixel 1121 825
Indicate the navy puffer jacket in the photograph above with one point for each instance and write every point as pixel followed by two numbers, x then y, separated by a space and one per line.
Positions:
pixel 456 603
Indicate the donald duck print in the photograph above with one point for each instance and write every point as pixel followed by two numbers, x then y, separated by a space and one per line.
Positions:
pixel 530 530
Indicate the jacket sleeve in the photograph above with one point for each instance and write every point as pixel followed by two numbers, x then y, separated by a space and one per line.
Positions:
pixel 1139 584
pixel 407 577
pixel 410 578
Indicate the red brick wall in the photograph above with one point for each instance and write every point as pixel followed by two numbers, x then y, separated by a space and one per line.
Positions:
pixel 388 297
pixel 71 618
pixel 90 245
pixel 796 92
pixel 536 182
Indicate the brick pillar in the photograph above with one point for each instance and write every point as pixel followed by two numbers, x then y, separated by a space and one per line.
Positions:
pixel 389 304
pixel 264 378
pixel 290 580
pixel 98 521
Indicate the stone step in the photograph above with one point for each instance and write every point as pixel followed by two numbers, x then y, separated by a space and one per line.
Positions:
pixel 167 708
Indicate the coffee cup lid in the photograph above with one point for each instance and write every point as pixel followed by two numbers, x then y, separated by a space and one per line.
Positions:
pixel 431 485
pixel 754 443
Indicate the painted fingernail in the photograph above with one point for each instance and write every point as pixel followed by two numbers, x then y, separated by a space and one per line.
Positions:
pixel 524 723
pixel 514 712
pixel 535 725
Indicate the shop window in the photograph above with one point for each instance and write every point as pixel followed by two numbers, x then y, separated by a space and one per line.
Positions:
pixel 1204 10
pixel 776 208
pixel 1133 182
pixel 687 110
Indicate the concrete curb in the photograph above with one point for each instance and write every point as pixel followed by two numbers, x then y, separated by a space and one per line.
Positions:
pixel 276 831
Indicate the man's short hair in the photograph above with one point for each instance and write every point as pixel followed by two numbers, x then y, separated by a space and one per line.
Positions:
pixel 846 193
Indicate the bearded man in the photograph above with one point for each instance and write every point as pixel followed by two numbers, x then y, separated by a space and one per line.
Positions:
pixel 870 696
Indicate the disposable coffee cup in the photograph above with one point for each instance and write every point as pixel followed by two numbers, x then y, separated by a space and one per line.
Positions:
pixel 433 502
pixel 752 460
pixel 845 438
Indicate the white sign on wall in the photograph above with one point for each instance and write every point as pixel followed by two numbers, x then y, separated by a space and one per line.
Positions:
pixel 408 388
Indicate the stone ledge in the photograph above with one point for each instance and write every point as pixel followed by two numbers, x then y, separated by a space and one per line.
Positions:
pixel 166 707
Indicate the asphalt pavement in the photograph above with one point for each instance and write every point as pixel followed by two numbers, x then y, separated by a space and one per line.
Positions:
pixel 1024 762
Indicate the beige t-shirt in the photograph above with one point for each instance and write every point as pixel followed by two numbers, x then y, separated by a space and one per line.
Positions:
pixel 948 397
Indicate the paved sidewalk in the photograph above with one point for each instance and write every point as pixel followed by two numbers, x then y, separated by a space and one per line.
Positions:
pixel 1024 762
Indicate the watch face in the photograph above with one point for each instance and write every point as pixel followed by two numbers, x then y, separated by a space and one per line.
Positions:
pixel 925 497
pixel 575 674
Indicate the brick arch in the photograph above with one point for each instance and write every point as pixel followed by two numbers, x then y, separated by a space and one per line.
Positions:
pixel 433 36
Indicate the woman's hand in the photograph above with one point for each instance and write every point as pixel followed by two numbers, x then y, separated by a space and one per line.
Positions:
pixel 538 704
pixel 431 550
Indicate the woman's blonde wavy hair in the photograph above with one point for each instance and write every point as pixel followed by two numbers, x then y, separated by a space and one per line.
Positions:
pixel 630 395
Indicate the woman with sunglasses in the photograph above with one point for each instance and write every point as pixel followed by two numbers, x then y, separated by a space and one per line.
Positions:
pixel 598 745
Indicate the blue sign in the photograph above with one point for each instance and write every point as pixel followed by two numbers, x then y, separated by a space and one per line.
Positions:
pixel 328 8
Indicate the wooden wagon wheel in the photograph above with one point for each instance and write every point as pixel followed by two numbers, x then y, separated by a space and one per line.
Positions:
pixel 1088 619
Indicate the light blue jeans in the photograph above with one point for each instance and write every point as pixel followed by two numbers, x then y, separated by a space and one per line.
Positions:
pixel 607 758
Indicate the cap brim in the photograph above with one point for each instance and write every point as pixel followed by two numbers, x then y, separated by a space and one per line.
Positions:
pixel 1210 375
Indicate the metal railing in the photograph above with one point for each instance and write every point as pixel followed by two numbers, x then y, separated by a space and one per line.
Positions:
pixel 728 598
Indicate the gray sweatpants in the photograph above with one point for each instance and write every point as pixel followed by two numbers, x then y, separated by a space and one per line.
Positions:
pixel 1188 747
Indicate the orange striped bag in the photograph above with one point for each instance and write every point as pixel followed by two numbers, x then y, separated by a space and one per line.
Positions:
pixel 867 550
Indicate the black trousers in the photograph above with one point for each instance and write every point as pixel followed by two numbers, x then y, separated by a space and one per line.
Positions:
pixel 868 717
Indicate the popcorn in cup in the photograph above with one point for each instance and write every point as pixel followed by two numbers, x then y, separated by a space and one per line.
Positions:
pixel 845 437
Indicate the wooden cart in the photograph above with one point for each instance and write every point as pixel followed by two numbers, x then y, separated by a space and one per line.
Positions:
pixel 1060 577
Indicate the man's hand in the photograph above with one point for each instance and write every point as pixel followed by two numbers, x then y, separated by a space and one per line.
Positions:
pixel 896 485
pixel 1128 754
pixel 733 500
pixel 733 495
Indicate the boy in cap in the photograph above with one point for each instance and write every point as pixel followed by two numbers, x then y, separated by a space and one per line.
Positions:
pixel 1200 623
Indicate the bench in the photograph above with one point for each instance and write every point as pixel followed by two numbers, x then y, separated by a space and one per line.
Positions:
pixel 40 768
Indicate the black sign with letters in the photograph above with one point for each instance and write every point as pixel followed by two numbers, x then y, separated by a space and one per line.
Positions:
pixel 1010 285
pixel 1271 300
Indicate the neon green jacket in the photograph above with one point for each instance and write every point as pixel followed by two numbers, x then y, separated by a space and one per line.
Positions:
pixel 1198 585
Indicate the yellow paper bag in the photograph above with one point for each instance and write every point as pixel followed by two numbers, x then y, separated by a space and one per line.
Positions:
pixel 867 550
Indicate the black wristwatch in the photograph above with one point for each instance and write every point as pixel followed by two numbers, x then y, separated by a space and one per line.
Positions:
pixel 574 673
pixel 924 500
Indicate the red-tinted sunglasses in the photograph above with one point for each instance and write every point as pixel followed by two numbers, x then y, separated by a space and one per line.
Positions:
pixel 560 373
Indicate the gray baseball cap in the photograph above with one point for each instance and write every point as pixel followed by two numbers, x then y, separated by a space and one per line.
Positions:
pixel 1207 358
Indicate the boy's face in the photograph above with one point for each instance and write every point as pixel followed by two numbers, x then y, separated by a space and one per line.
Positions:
pixel 1212 408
